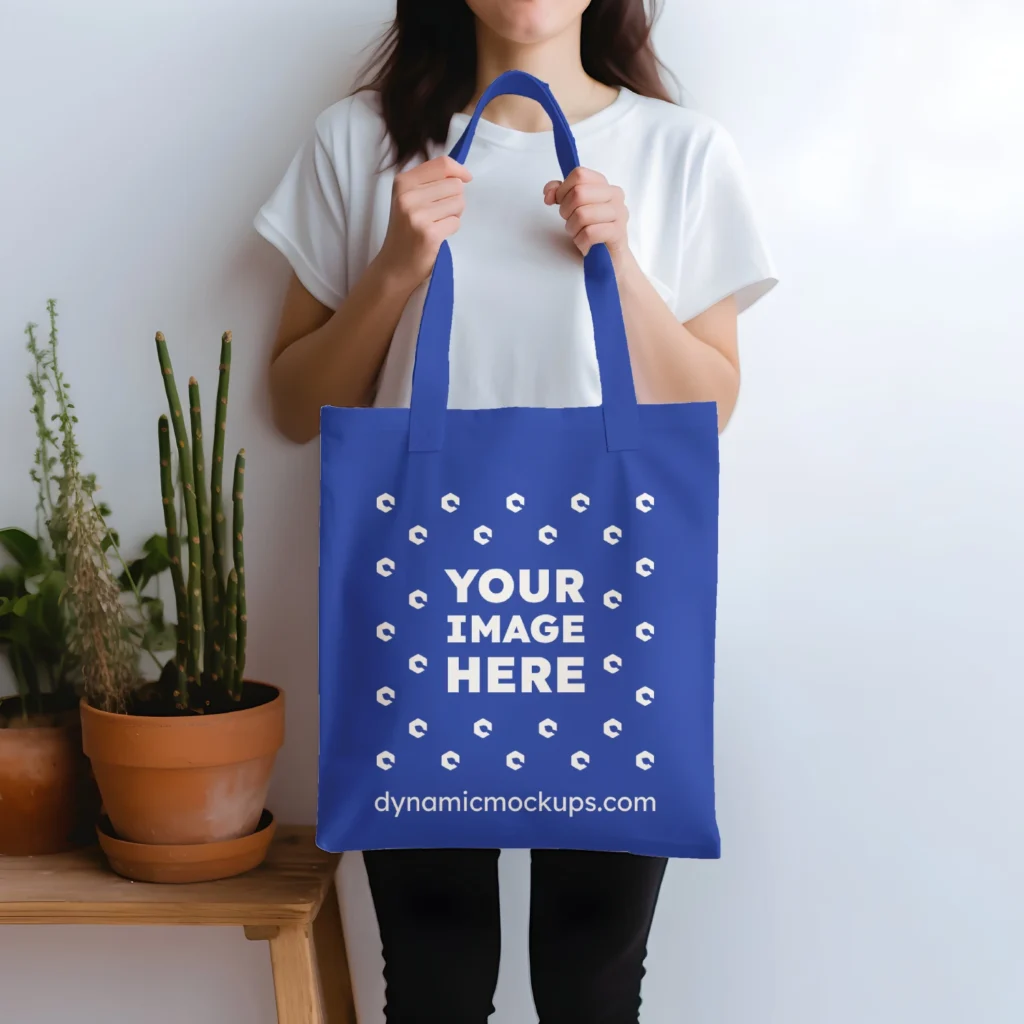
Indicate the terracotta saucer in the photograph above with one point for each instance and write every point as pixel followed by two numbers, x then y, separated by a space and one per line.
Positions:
pixel 201 862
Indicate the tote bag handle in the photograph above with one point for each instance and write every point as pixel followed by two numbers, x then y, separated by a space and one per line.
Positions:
pixel 430 378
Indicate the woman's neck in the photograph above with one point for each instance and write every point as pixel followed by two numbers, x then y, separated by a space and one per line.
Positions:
pixel 555 61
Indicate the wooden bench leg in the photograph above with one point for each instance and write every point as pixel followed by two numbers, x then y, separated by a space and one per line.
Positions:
pixel 335 980
pixel 296 981
pixel 311 974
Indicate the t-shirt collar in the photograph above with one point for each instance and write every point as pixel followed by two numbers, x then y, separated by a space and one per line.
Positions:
pixel 511 137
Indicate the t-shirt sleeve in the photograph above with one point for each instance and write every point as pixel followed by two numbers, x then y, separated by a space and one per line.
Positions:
pixel 305 219
pixel 723 251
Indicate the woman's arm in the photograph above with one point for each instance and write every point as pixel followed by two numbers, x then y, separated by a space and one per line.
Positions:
pixel 672 362
pixel 323 358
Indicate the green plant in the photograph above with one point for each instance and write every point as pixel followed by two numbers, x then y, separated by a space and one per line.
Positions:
pixel 207 670
pixel 32 625
pixel 33 621
pixel 64 626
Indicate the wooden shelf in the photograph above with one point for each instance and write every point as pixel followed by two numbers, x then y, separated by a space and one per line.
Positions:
pixel 290 901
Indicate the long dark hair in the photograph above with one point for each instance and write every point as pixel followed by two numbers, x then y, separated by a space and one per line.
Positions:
pixel 425 66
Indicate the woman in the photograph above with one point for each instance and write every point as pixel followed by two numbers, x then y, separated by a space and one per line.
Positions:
pixel 360 216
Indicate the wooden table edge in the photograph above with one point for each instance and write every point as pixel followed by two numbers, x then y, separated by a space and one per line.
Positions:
pixel 145 915
pixel 168 911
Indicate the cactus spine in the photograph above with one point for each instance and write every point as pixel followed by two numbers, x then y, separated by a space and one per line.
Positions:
pixel 238 529
pixel 174 553
pixel 210 599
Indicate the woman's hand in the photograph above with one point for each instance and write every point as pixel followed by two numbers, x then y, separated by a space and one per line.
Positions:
pixel 593 211
pixel 426 204
pixel 672 362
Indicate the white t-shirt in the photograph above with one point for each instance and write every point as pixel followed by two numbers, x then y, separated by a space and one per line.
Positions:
pixel 521 332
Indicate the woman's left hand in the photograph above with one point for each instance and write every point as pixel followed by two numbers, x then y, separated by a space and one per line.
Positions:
pixel 593 211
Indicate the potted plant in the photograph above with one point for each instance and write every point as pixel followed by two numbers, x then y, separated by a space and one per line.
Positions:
pixel 48 799
pixel 45 804
pixel 183 764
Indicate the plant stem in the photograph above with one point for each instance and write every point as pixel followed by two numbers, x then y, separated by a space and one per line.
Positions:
pixel 213 650
pixel 38 380
pixel 174 553
pixel 70 452
pixel 238 530
pixel 219 523
pixel 195 599
pixel 231 628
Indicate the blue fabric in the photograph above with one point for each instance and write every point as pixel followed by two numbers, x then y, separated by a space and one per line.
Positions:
pixel 517 606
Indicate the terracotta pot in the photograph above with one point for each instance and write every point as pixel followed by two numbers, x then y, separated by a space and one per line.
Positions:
pixel 48 800
pixel 178 781
pixel 203 862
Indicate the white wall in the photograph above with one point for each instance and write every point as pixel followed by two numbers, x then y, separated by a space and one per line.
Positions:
pixel 870 661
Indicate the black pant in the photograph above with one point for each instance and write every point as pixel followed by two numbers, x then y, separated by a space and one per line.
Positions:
pixel 590 915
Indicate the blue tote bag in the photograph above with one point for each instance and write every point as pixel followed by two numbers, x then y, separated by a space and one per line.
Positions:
pixel 517 605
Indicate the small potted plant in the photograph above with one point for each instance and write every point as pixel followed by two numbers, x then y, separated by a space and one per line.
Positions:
pixel 183 764
pixel 48 799
pixel 46 794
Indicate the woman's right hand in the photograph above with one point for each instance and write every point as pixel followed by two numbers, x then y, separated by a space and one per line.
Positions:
pixel 426 204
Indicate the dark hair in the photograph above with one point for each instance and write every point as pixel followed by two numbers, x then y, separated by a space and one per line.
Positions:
pixel 425 66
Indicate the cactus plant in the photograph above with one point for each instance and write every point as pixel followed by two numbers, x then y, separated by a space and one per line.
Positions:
pixel 210 597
